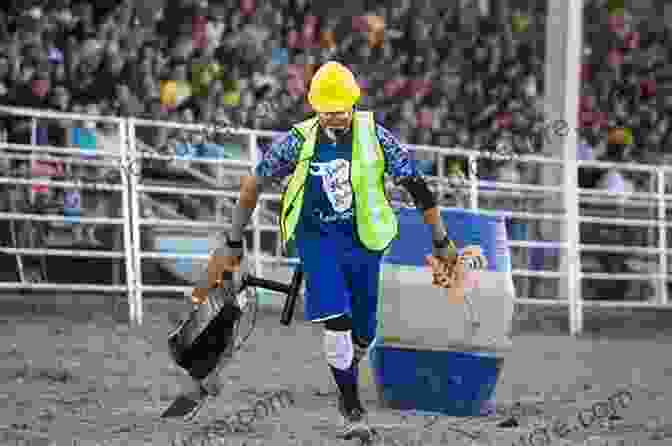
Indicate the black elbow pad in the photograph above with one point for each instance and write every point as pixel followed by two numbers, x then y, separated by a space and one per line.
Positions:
pixel 417 188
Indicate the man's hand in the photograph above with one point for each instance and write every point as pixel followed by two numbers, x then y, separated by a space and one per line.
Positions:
pixel 447 272
pixel 217 266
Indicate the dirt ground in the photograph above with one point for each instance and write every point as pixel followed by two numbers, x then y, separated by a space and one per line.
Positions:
pixel 95 381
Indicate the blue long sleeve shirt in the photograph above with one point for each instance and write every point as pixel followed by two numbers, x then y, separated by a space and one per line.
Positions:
pixel 328 204
pixel 279 160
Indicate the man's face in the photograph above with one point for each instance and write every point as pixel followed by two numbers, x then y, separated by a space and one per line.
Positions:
pixel 336 120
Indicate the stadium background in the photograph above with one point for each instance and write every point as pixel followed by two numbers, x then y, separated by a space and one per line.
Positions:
pixel 469 74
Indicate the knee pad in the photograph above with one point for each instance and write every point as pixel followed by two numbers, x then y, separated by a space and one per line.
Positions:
pixel 338 348
pixel 359 345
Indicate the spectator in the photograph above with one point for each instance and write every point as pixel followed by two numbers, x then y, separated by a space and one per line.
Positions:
pixel 205 70
pixel 328 36
pixel 155 137
pixel 457 182
pixel 614 181
pixel 84 135
pixel 114 70
pixel 35 92
pixel 176 90
pixel 5 80
pixel 215 28
pixel 247 7
pixel 125 103
pixel 200 28
pixel 182 140
pixel 59 130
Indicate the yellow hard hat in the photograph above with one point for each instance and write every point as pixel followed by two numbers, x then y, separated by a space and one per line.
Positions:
pixel 333 89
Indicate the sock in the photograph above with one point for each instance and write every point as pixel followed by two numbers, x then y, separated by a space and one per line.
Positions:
pixel 346 380
pixel 339 346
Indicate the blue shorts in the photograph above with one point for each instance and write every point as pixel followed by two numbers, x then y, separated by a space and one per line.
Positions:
pixel 341 278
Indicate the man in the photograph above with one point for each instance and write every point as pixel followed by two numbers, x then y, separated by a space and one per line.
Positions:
pixel 336 209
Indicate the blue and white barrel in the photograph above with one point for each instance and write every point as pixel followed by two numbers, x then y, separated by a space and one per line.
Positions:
pixel 432 355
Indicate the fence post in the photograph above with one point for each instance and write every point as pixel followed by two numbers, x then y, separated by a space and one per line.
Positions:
pixel 561 103
pixel 256 232
pixel 441 174
pixel 662 237
pixel 574 25
pixel 126 198
pixel 473 179
pixel 133 168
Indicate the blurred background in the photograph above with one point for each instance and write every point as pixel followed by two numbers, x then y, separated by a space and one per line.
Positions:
pixel 467 73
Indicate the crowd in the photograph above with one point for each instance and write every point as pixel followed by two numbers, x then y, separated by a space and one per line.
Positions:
pixel 436 73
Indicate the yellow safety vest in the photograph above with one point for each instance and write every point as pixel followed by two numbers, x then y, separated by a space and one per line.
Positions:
pixel 376 221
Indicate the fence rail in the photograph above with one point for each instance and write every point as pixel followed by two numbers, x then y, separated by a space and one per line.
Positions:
pixel 130 153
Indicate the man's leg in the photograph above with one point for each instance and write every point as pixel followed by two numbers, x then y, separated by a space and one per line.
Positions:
pixel 327 301
pixel 363 276
pixel 340 351
pixel 356 330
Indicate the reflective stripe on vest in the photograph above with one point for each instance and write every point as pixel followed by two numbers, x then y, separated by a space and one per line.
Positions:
pixel 376 221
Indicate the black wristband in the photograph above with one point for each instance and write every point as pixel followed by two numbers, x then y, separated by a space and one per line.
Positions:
pixel 417 188
pixel 444 248
pixel 232 244
pixel 440 244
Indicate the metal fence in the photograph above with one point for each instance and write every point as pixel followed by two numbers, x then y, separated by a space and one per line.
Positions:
pixel 22 177
pixel 534 209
